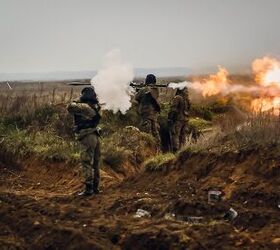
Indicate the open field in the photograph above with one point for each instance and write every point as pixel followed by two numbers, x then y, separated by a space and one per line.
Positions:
pixel 235 152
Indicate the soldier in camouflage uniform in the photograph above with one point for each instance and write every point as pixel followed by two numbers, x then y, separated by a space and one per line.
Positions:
pixel 148 107
pixel 178 119
pixel 86 118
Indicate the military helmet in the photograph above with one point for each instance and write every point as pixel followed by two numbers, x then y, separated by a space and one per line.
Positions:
pixel 150 79
pixel 88 94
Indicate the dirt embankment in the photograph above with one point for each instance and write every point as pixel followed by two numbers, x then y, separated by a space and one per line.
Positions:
pixel 39 208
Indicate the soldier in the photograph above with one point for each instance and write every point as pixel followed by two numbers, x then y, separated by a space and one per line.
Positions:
pixel 86 118
pixel 148 107
pixel 178 119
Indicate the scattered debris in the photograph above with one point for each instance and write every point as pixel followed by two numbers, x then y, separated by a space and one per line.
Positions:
pixel 214 196
pixel 231 214
pixel 142 213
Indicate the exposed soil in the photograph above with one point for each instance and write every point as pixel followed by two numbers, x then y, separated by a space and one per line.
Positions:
pixel 39 208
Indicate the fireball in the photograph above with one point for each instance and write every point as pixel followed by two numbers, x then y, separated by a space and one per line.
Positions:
pixel 267 75
pixel 267 71
pixel 214 84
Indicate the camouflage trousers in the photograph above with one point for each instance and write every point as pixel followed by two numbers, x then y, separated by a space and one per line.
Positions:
pixel 151 126
pixel 178 134
pixel 90 157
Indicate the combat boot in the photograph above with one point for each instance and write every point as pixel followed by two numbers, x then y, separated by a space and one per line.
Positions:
pixel 95 189
pixel 88 190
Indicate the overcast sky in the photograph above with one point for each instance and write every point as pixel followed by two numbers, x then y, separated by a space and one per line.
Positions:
pixel 71 35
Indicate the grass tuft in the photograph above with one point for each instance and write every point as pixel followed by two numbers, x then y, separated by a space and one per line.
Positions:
pixel 160 162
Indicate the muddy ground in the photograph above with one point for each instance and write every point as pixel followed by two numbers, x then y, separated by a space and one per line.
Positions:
pixel 39 208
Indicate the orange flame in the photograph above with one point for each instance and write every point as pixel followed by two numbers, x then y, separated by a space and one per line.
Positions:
pixel 266 104
pixel 267 74
pixel 213 85
pixel 267 77
pixel 267 71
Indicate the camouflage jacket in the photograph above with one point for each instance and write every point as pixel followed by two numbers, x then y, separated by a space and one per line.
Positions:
pixel 86 118
pixel 147 99
pixel 179 109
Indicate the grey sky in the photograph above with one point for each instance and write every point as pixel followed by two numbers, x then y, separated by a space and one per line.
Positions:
pixel 53 35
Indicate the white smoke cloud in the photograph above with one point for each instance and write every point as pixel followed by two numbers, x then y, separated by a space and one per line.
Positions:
pixel 223 89
pixel 112 82
pixel 179 85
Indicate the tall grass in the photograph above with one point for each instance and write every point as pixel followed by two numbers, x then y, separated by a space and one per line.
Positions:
pixel 260 130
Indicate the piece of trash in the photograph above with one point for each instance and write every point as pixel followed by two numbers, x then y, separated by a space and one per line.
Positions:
pixel 36 223
pixel 214 196
pixel 169 216
pixel 84 225
pixel 231 214
pixel 142 213
pixel 278 204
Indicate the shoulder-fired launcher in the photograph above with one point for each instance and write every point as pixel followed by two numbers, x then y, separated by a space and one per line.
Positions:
pixel 132 84
pixel 142 85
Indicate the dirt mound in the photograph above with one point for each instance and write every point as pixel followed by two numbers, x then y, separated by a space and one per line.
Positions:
pixel 39 208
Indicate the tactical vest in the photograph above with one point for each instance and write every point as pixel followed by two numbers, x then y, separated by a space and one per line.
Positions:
pixel 81 123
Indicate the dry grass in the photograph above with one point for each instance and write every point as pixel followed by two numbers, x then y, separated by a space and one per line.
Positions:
pixel 160 162
pixel 260 130
pixel 26 99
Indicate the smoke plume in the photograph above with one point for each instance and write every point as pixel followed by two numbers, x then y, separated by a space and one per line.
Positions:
pixel 179 85
pixel 112 83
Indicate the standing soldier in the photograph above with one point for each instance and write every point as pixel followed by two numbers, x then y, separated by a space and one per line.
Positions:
pixel 178 118
pixel 148 107
pixel 86 118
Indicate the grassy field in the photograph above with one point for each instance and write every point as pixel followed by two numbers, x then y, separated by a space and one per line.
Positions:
pixel 228 149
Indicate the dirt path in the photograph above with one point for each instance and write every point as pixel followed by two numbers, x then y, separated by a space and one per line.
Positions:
pixel 39 208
